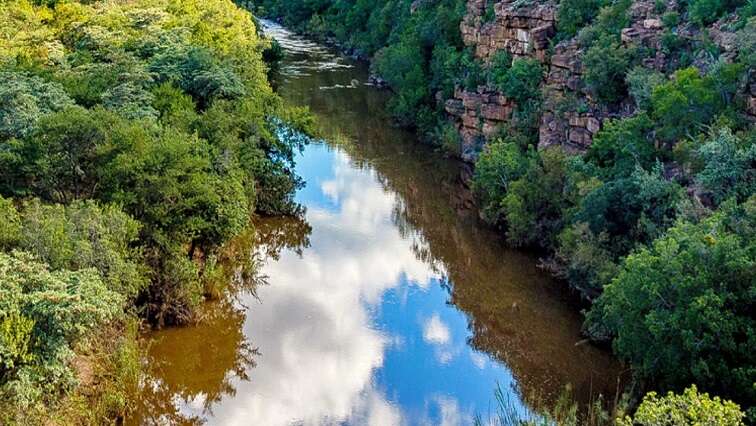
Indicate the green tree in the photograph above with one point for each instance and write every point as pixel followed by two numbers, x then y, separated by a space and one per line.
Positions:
pixel 85 235
pixel 24 100
pixel 535 202
pixel 729 166
pixel 500 164
pixel 682 308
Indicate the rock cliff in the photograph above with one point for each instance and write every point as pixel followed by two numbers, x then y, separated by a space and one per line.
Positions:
pixel 570 117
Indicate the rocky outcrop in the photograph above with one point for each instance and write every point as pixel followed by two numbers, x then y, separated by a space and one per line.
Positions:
pixel 478 115
pixel 570 116
pixel 520 30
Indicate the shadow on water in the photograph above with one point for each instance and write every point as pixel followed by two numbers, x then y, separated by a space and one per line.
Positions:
pixel 388 303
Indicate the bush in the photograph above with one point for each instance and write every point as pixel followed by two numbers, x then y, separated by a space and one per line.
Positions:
pixel 705 12
pixel 575 14
pixel 622 145
pixel 10 224
pixel 534 203
pixel 641 83
pixel 690 101
pixel 689 408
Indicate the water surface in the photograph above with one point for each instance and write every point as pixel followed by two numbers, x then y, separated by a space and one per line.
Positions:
pixel 386 303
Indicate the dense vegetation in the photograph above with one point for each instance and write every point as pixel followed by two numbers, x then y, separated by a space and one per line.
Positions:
pixel 136 138
pixel 653 225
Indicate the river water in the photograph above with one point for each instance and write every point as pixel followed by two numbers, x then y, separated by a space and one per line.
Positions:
pixel 386 303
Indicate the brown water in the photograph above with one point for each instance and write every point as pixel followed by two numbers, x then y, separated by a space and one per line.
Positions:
pixel 386 303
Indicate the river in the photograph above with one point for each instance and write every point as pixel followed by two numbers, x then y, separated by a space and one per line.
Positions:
pixel 386 303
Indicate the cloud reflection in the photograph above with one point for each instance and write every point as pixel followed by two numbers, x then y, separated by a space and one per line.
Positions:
pixel 312 325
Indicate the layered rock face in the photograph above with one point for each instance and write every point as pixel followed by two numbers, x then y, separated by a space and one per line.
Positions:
pixel 570 117
pixel 521 31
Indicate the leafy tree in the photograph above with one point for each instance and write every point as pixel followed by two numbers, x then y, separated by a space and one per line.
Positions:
pixel 24 100
pixel 689 101
pixel 130 101
pixel 641 83
pixel 575 14
pixel 197 72
pixel 729 166
pixel 84 235
pixel 705 12
pixel 682 308
pixel 62 160
pixel 606 63
pixel 630 210
pixel 622 145
pixel 534 203
pixel 500 164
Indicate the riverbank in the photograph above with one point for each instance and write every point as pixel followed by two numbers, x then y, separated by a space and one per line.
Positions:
pixel 136 141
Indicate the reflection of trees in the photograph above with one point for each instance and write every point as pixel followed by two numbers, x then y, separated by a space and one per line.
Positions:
pixel 275 234
pixel 198 365
pixel 202 364
pixel 516 312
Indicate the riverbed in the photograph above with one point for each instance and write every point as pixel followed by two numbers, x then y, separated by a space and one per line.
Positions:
pixel 387 302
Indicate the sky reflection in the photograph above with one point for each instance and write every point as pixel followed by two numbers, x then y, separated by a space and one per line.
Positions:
pixel 357 329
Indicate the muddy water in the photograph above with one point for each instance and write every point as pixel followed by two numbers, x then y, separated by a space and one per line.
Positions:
pixel 386 303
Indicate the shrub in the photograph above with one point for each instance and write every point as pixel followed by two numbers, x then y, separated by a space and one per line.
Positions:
pixel 606 64
pixel 85 235
pixel 641 83
pixel 688 102
pixel 688 408
pixel 705 12
pixel 575 14
pixel 622 145
pixel 10 224
pixel 534 203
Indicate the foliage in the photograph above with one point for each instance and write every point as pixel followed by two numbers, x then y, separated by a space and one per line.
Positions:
pixel 575 14
pixel 534 202
pixel 135 140
pixel 689 101
pixel 704 12
pixel 641 82
pixel 84 235
pixel 606 64
pixel 682 308
pixel 10 224
pixel 24 100
pixel 688 408
pixel 500 164
pixel 65 306
pixel 622 145
pixel 729 166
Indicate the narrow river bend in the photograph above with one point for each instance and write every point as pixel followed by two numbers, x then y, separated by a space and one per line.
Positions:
pixel 386 304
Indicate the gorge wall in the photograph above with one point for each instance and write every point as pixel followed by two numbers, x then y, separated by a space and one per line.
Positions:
pixel 570 116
